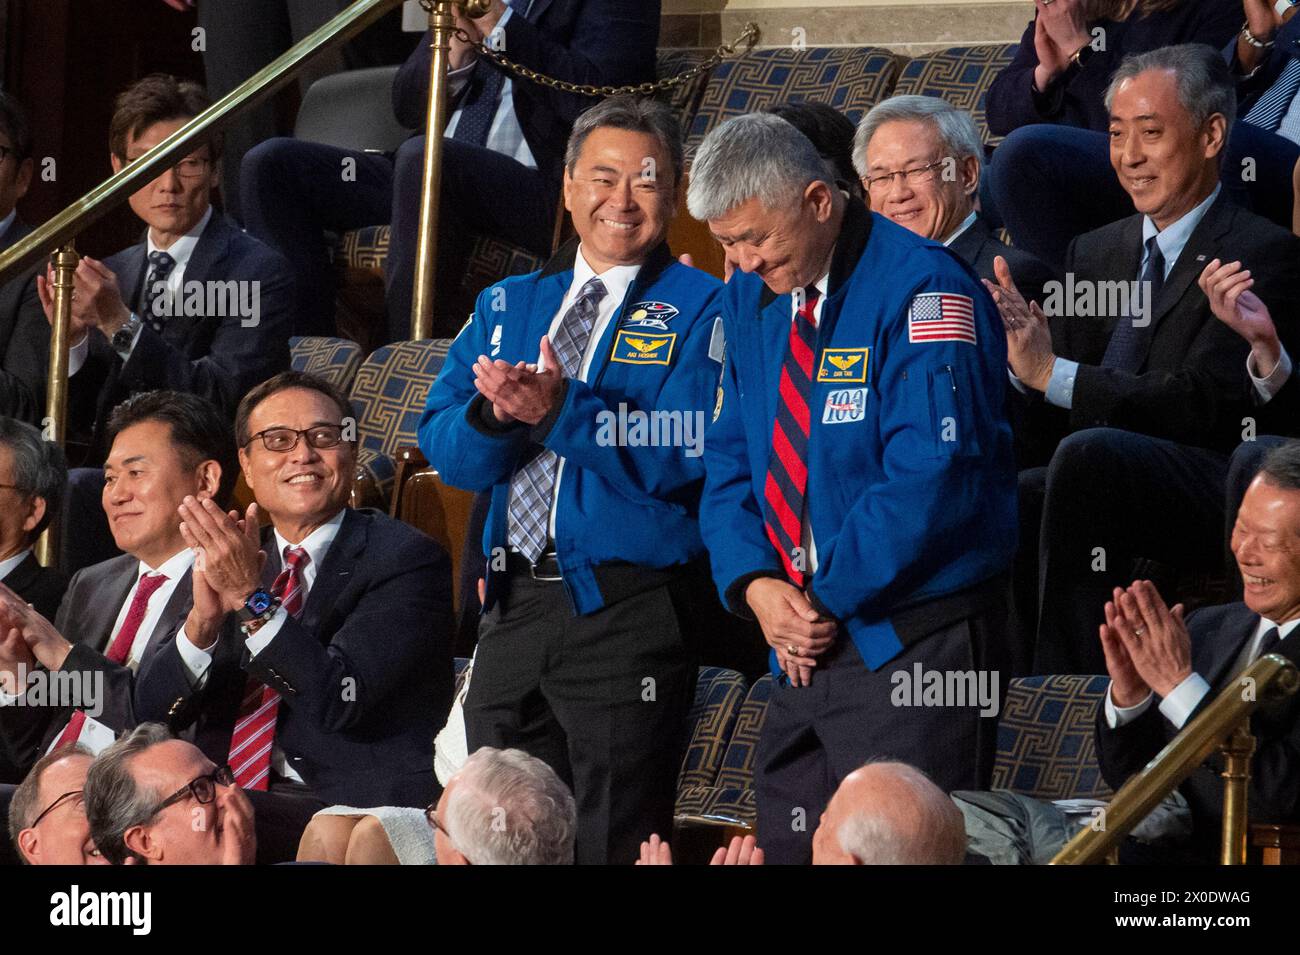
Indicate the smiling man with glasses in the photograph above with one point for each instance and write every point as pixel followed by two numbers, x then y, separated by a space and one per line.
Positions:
pixel 329 631
pixel 154 800
pixel 47 816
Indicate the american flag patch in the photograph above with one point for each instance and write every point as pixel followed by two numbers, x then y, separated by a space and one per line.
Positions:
pixel 941 317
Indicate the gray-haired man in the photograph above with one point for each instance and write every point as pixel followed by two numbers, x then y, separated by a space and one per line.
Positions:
pixel 920 160
pixel 859 497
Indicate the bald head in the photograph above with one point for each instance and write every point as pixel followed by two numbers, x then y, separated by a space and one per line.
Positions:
pixel 889 814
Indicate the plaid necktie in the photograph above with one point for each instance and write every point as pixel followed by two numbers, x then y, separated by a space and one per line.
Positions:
pixel 120 649
pixel 1273 105
pixel 1129 344
pixel 160 267
pixel 534 483
pixel 787 469
pixel 254 734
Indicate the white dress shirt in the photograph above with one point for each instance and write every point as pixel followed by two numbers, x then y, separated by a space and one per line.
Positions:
pixel 181 250
pixel 9 563
pixel 616 280
pixel 506 135
pixel 317 545
pixel 1186 696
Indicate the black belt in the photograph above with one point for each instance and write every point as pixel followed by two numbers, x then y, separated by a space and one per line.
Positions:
pixel 617 581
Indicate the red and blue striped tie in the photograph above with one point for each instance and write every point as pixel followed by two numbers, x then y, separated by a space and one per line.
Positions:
pixel 787 469
pixel 254 734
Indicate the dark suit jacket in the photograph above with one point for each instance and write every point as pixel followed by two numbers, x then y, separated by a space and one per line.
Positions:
pixel 24 340
pixel 1076 97
pixel 85 617
pixel 207 354
pixel 595 42
pixel 1286 46
pixel 1191 387
pixel 43 588
pixel 1218 634
pixel 365 676
pixel 979 246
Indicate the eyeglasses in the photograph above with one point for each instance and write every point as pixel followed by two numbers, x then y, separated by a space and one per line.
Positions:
pixel 55 805
pixel 191 167
pixel 914 176
pixel 203 789
pixel 431 814
pixel 283 440
pixel 14 487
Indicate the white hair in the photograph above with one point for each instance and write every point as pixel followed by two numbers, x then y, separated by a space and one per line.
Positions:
pixel 509 808
pixel 954 127
pixel 928 831
pixel 757 155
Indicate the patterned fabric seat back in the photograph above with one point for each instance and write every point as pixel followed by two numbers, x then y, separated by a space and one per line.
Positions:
pixel 388 396
pixel 334 359
pixel 718 696
pixel 732 794
pixel 1047 746
pixel 852 79
pixel 961 75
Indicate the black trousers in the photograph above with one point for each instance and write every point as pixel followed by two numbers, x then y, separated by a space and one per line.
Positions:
pixel 602 699
pixel 1107 498
pixel 815 735
pixel 294 193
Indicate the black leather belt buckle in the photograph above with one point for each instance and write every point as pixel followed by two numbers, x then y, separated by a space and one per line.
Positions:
pixel 546 569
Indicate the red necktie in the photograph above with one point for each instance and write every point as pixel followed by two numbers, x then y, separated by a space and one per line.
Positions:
pixel 120 648
pixel 787 469
pixel 250 743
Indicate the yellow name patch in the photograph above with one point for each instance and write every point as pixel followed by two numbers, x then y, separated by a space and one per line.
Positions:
pixel 844 364
pixel 634 347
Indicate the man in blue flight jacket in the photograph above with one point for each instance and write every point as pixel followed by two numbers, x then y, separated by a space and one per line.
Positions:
pixel 860 490
pixel 591 444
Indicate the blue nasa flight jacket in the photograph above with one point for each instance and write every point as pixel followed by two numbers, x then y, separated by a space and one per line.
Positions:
pixel 618 503
pixel 912 486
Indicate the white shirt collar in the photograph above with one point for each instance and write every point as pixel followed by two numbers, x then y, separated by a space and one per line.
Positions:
pixel 317 543
pixel 7 221
pixel 616 279
pixel 821 285
pixel 182 248
pixel 1283 629
pixel 9 563
pixel 173 568
pixel 965 224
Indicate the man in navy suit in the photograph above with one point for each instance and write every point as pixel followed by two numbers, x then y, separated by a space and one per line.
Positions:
pixel 502 160
pixel 328 634
pixel 1164 671
pixel 197 306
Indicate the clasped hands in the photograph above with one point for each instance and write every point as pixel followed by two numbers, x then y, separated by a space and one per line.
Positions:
pixel 791 625
pixel 520 392
pixel 1146 644
pixel 96 299
pixel 26 639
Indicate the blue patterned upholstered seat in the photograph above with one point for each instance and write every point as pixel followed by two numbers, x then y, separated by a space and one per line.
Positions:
pixel 731 794
pixel 719 694
pixel 334 359
pixel 961 75
pixel 1046 740
pixel 852 79
pixel 388 396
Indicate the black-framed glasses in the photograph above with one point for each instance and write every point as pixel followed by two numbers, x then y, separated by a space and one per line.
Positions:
pixel 192 167
pixel 284 440
pixel 76 793
pixel 914 176
pixel 202 788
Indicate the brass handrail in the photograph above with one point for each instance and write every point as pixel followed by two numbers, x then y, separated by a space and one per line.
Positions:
pixel 1224 723
pixel 94 205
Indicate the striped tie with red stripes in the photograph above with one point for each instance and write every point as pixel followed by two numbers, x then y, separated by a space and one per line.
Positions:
pixel 250 744
pixel 787 469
